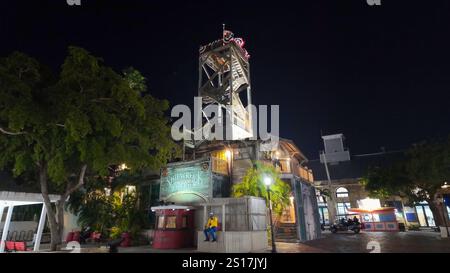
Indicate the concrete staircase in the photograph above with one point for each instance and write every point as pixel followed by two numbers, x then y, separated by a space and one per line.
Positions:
pixel 286 232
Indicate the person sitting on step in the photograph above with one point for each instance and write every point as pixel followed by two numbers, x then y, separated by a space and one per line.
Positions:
pixel 211 227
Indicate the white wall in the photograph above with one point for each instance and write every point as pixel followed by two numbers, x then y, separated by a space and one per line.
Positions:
pixel 70 223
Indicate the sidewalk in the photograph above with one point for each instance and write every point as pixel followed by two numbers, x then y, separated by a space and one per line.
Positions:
pixel 281 248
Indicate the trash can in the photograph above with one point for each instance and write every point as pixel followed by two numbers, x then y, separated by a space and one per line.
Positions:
pixel 76 236
pixel 126 242
pixel 69 237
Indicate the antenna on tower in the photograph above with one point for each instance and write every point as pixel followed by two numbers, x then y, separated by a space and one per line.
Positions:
pixel 223 31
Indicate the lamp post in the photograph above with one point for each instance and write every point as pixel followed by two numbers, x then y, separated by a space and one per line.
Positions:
pixel 445 186
pixel 268 181
pixel 229 157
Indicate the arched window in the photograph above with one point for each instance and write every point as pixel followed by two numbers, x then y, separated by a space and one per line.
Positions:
pixel 341 192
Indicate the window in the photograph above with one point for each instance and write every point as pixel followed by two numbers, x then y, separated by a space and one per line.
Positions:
pixel 321 201
pixel 184 222
pixel 448 210
pixel 342 208
pixel 324 216
pixel 161 222
pixel 447 203
pixel 283 165
pixel 171 222
pixel 219 162
pixel 341 192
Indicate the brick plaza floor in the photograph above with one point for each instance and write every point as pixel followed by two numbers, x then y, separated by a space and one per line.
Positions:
pixel 365 242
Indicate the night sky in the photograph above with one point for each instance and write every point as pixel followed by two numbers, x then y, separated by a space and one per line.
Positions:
pixel 378 74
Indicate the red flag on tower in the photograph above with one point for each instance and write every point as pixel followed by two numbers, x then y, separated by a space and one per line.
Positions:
pixel 227 36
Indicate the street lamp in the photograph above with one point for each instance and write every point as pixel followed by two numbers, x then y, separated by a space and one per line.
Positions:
pixel 229 157
pixel 445 186
pixel 228 154
pixel 268 181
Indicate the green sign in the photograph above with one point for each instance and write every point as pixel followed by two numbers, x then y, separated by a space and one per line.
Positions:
pixel 179 181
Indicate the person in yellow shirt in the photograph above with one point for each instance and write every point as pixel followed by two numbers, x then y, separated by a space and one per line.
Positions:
pixel 211 227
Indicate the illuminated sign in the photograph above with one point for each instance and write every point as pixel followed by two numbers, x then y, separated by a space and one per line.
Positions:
pixel 186 182
pixel 369 204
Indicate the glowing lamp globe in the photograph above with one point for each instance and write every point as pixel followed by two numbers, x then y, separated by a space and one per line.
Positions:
pixel 228 154
pixel 267 181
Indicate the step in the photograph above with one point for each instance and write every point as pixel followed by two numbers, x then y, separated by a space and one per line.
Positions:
pixel 286 240
pixel 287 225
pixel 286 236
pixel 287 231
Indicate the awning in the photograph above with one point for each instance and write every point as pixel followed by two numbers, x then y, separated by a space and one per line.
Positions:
pixel 9 198
pixel 378 210
pixel 172 207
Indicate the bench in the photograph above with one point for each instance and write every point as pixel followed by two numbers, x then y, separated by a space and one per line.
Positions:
pixel 11 246
pixel 21 246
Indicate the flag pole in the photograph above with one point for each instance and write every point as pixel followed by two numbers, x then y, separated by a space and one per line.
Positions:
pixel 223 33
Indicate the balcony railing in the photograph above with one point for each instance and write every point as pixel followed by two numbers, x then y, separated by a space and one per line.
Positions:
pixel 285 168
pixel 306 174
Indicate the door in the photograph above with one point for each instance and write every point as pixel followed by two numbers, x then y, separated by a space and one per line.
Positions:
pixel 309 215
pixel 421 216
pixel 324 216
pixel 425 216
pixel 288 214
pixel 429 215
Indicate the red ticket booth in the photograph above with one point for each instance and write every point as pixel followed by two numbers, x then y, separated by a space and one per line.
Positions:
pixel 379 219
pixel 175 227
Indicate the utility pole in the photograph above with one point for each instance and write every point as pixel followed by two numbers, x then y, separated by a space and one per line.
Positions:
pixel 331 206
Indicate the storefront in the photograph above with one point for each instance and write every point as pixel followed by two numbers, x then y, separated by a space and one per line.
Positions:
pixel 447 203
pixel 424 215
pixel 216 169
pixel 380 219
pixel 375 217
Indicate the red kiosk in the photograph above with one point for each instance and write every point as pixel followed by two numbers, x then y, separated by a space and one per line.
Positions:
pixel 175 227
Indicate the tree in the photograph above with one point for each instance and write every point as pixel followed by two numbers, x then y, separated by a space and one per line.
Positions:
pixel 110 210
pixel 418 177
pixel 67 129
pixel 252 185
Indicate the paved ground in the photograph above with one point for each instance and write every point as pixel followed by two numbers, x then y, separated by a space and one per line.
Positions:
pixel 365 242
pixel 385 242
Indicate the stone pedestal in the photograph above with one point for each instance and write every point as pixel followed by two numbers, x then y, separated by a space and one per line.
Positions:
pixel 234 242
pixel 444 232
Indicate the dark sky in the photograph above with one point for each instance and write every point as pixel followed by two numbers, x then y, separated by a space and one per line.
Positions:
pixel 378 74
